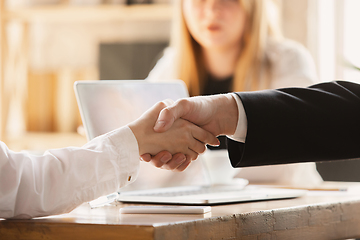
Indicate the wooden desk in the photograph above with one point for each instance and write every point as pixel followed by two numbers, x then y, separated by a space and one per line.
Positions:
pixel 319 215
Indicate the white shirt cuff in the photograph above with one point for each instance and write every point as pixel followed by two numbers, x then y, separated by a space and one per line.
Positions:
pixel 127 146
pixel 241 128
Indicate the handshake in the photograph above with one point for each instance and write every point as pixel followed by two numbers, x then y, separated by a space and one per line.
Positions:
pixel 172 134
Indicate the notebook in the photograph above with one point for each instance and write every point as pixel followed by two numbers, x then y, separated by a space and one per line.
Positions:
pixel 107 105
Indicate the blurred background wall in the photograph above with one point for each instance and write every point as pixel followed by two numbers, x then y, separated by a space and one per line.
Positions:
pixel 328 29
pixel 47 45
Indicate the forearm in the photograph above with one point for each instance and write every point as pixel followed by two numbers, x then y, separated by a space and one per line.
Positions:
pixel 228 113
pixel 300 125
pixel 61 179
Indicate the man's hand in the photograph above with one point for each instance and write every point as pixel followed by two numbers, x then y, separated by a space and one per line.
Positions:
pixel 217 114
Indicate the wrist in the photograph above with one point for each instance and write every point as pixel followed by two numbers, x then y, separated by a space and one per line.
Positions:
pixel 135 128
pixel 229 114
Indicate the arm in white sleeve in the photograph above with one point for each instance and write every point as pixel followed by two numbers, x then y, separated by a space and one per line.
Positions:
pixel 292 65
pixel 165 69
pixel 61 179
pixel 241 128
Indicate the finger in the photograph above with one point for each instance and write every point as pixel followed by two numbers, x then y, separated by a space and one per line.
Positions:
pixel 169 114
pixel 204 136
pixel 177 160
pixel 146 157
pixel 161 158
pixel 154 111
pixel 197 146
pixel 164 121
pixel 192 154
pixel 183 166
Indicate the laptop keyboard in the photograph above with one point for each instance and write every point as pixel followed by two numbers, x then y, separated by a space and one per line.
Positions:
pixel 185 191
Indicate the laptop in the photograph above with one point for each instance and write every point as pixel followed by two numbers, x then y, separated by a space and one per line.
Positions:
pixel 107 105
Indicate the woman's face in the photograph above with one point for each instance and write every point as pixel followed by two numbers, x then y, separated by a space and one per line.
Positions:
pixel 215 23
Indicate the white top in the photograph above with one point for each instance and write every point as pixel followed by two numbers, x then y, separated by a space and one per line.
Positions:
pixel 62 179
pixel 292 66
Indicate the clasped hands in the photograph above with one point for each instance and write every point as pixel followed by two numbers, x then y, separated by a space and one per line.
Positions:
pixel 172 134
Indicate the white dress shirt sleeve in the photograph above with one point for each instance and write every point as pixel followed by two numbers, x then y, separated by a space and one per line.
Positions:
pixel 61 179
pixel 241 128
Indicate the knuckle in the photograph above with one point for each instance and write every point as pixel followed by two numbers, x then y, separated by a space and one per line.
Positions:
pixel 184 103
pixel 166 110
pixel 161 104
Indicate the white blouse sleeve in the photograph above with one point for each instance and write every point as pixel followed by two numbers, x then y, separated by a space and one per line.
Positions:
pixel 61 179
pixel 292 65
pixel 164 69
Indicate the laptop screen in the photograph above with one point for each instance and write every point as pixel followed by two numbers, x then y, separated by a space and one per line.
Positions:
pixel 107 105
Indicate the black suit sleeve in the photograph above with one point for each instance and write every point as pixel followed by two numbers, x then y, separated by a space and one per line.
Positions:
pixel 319 123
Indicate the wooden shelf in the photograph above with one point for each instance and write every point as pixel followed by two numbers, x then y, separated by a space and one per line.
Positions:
pixel 98 13
pixel 63 14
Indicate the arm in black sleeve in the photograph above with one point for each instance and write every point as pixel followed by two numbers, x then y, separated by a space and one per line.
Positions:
pixel 319 123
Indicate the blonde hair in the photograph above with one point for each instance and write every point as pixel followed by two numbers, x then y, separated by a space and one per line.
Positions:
pixel 261 22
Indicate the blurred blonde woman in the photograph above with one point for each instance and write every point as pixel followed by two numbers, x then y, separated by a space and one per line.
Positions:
pixel 220 46
pixel 235 42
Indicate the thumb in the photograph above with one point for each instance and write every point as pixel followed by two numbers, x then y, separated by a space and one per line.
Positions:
pixel 164 121
pixel 170 114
